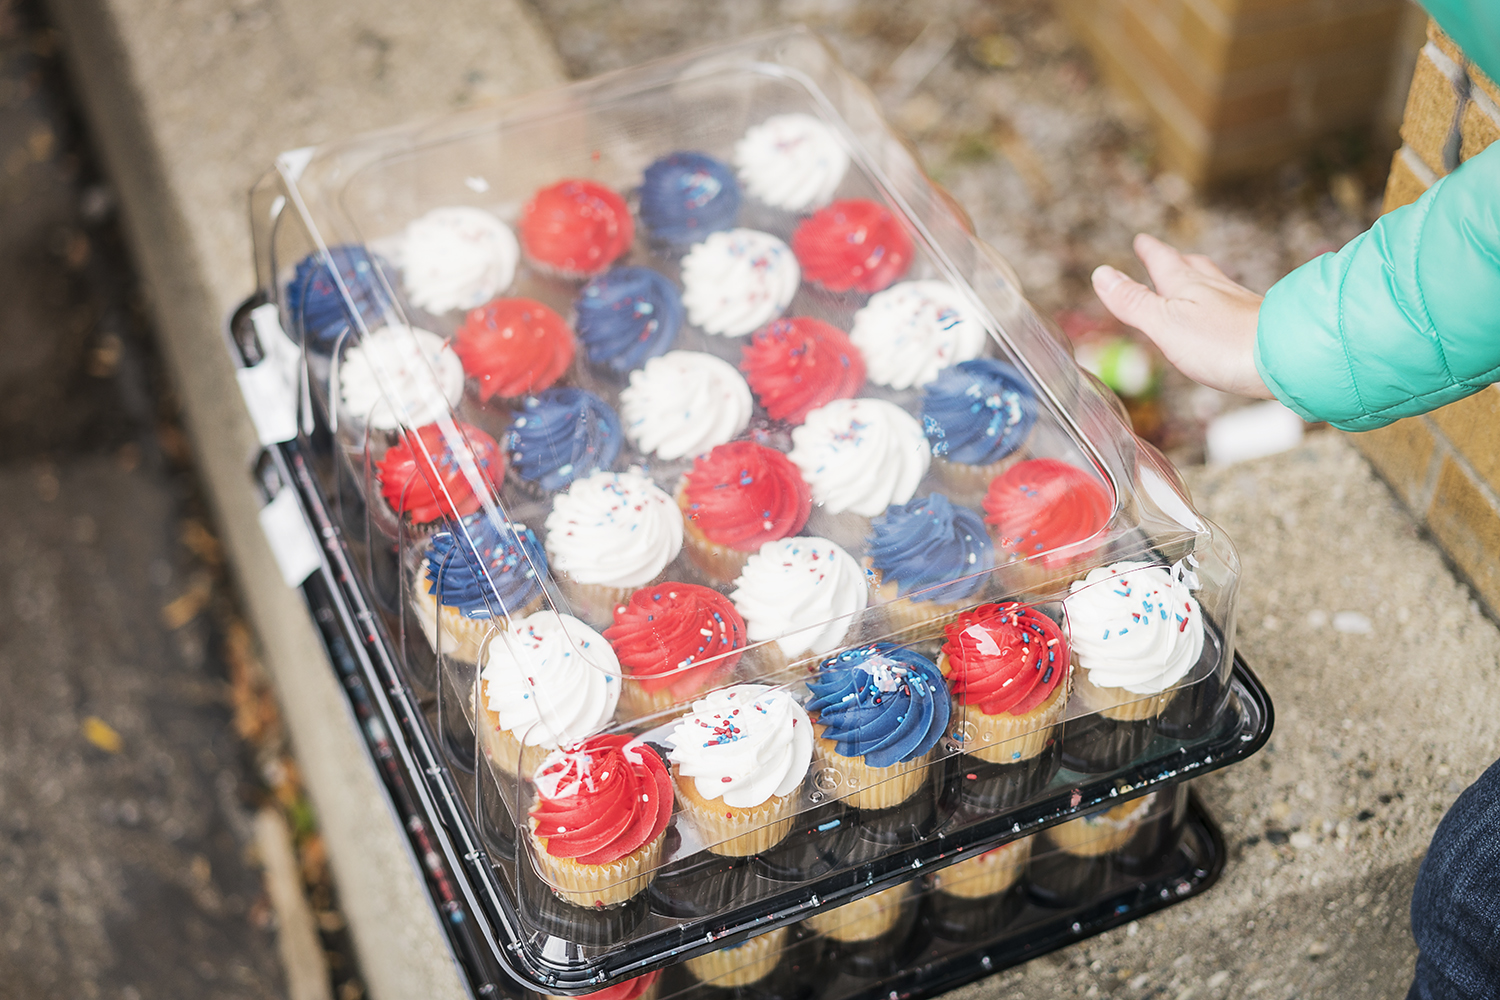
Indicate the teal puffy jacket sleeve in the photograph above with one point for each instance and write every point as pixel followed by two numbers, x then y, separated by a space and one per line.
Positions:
pixel 1404 319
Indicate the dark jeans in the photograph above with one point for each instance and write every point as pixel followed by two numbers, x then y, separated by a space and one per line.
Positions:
pixel 1455 910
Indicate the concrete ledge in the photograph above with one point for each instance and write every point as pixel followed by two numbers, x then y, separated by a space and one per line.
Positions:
pixel 189 102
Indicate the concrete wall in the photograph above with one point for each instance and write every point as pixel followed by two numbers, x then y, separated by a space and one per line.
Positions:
pixel 1446 465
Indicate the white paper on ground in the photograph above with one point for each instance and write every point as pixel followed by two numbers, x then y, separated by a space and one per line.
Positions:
pixel 1252 432
pixel 292 540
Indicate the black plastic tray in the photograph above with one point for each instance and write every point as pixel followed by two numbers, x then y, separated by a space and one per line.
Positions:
pixel 479 909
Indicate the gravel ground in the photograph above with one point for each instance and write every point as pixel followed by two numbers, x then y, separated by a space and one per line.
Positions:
pixel 137 734
pixel 1006 112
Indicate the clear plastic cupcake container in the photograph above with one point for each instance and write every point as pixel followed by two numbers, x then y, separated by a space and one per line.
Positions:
pixel 742 532
pixel 990 909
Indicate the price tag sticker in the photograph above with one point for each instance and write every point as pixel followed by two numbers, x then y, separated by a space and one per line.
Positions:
pixel 292 540
pixel 271 387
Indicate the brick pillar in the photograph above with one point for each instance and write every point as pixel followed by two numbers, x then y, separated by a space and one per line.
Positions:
pixel 1236 86
pixel 1446 464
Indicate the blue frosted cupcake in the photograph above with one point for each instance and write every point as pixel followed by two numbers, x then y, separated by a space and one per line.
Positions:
pixel 928 559
pixel 318 312
pixel 627 316
pixel 686 196
pixel 468 577
pixel 878 713
pixel 561 435
pixel 977 416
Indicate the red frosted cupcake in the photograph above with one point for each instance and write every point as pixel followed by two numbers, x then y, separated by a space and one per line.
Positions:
pixel 1043 515
pixel 576 228
pixel 674 641
pixel 852 245
pixel 1009 668
pixel 421 480
pixel 639 988
pixel 514 347
pixel 798 364
pixel 735 499
pixel 600 818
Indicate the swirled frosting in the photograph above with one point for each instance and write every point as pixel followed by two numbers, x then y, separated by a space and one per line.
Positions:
pixel 978 411
pixel 861 455
pixel 626 315
pixel 576 228
pixel 422 477
pixel 614 528
pixel 1134 626
pixel 514 346
pixel 678 636
pixel 797 364
pixel 319 313
pixel 880 701
pixel 485 567
pixel 791 161
pixel 932 549
pixel 560 435
pixel 852 245
pixel 417 367
pixel 630 989
pixel 686 196
pixel 911 331
pixel 1005 658
pixel 456 258
pixel 743 494
pixel 684 403
pixel 1043 504
pixel 803 592
pixel 601 800
pixel 550 679
pixel 744 744
pixel 738 280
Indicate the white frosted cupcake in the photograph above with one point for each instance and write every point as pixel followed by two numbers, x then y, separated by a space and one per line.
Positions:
pixel 684 403
pixel 456 258
pixel 738 759
pixel 424 377
pixel 1136 631
pixel 791 161
pixel 547 681
pixel 799 596
pixel 859 456
pixel 913 330
pixel 609 534
pixel 737 281
pixel 1103 830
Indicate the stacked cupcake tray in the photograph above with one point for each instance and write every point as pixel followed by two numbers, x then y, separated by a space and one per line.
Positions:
pixel 716 542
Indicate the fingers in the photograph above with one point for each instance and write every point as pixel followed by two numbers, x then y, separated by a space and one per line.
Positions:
pixel 1131 302
pixel 1168 268
pixel 1205 265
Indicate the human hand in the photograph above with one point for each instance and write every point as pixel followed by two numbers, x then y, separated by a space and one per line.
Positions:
pixel 1202 321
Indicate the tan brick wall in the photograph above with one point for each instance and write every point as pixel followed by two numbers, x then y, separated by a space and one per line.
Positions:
pixel 1446 465
pixel 1237 86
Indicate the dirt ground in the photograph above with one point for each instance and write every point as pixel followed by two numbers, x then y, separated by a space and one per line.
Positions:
pixel 1006 112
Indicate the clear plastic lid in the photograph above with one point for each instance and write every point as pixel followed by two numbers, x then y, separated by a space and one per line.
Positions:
pixel 737 506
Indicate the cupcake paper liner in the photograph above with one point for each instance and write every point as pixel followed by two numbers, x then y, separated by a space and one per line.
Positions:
pixel 1007 738
pixel 988 874
pixel 872 787
pixel 719 563
pixel 599 885
pixel 970 481
pixel 863 919
pixel 1118 703
pixel 735 832
pixel 740 965
pixel 1100 833
pixel 595 602
pixel 916 619
pixel 505 752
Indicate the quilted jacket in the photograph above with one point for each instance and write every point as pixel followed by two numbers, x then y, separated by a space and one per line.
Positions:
pixel 1406 318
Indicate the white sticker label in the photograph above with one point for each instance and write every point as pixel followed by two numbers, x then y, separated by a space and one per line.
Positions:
pixel 291 537
pixel 271 387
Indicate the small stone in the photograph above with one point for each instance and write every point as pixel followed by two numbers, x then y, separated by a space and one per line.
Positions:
pixel 1302 840
pixel 1317 949
pixel 1218 979
pixel 1352 623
